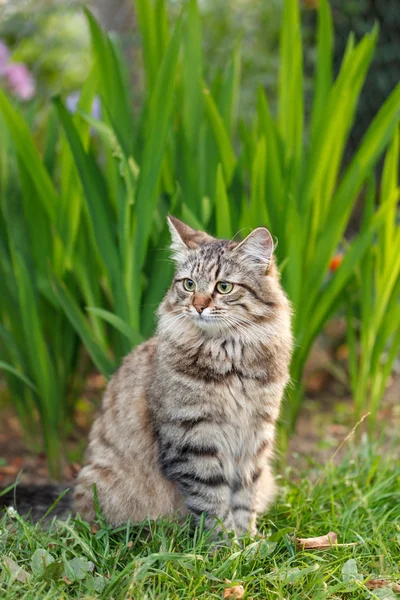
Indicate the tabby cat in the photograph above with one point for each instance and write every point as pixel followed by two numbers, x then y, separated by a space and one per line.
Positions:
pixel 187 423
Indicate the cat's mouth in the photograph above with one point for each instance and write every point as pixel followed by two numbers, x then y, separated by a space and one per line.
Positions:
pixel 208 322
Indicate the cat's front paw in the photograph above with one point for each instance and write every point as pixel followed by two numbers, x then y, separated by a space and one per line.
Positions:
pixel 248 527
pixel 222 529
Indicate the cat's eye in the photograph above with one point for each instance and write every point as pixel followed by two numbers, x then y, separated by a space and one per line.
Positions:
pixel 223 287
pixel 189 285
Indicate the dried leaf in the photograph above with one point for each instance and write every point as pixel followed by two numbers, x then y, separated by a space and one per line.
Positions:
pixel 317 543
pixel 16 571
pixel 13 468
pixel 129 545
pixel 373 584
pixel 317 381
pixel 342 353
pixel 236 592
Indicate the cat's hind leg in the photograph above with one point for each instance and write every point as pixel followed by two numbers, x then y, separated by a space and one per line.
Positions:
pixel 125 494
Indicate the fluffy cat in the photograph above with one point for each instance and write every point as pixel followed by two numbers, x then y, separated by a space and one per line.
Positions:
pixel 187 423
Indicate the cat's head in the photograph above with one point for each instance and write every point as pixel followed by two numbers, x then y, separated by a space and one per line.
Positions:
pixel 220 285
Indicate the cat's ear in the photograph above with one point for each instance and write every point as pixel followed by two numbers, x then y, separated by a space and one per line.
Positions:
pixel 184 238
pixel 256 248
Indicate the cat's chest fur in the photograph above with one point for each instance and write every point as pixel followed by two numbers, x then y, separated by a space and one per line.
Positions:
pixel 227 385
pixel 247 410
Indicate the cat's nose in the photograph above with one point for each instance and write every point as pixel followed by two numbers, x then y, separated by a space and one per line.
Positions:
pixel 200 303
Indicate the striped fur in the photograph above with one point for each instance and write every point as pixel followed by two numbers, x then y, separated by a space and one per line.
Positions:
pixel 188 422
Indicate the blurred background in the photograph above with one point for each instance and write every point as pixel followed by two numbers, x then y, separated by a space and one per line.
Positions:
pixel 52 39
pixel 229 114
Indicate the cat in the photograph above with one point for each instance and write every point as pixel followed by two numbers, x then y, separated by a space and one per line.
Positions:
pixel 187 423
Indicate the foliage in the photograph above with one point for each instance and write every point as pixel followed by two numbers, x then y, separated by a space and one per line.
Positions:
pixel 39 348
pixel 359 500
pixel 384 73
pixel 374 308
pixel 256 27
pixel 95 194
pixel 52 38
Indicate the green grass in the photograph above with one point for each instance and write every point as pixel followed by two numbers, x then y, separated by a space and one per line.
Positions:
pixel 359 500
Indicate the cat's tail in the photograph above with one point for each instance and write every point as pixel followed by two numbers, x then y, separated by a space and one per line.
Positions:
pixel 35 501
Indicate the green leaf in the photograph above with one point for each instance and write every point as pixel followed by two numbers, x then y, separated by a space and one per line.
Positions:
pixel 40 560
pixel 41 364
pixel 226 153
pixel 257 214
pixel 77 319
pixel 156 136
pixel 119 324
pixel 190 218
pixel 192 70
pixel 53 571
pixel 374 141
pixel 96 194
pixel 321 310
pixel 323 77
pixel 28 154
pixel 99 583
pixel 148 30
pixel 291 112
pixel 79 567
pixel 350 571
pixel 223 217
pixel 229 95
pixel 21 376
pixel 115 96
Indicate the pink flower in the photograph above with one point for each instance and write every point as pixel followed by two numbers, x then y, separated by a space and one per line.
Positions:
pixel 4 57
pixel 20 81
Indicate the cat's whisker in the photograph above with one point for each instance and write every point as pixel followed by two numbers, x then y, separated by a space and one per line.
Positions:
pixel 239 326
pixel 169 322
pixel 235 329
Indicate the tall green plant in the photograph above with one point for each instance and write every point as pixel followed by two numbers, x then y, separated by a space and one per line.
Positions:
pixel 99 190
pixel 38 346
pixel 310 192
pixel 299 184
pixel 374 306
